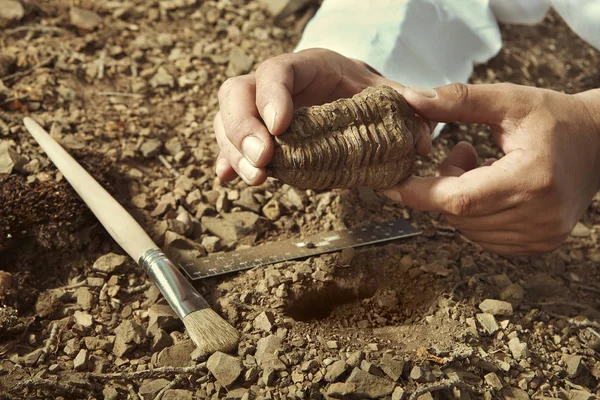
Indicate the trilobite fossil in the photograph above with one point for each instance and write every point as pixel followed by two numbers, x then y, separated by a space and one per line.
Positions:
pixel 366 140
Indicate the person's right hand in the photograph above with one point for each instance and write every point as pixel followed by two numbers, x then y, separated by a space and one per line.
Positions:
pixel 255 106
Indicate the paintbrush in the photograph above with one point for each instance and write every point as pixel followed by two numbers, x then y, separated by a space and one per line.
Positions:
pixel 205 327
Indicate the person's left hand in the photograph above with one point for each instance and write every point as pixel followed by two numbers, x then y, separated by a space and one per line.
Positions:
pixel 528 201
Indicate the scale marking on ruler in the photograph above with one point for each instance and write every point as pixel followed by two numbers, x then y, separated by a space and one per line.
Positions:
pixel 291 249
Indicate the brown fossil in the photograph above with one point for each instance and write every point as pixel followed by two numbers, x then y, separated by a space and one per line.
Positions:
pixel 367 140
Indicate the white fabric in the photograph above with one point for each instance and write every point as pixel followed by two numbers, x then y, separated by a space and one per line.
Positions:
pixel 431 43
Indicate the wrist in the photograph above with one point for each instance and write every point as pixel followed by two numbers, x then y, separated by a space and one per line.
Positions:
pixel 591 102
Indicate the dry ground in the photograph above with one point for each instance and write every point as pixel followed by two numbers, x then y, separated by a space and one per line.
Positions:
pixel 136 94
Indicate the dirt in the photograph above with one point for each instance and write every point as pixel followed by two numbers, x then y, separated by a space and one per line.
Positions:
pixel 131 90
pixel 366 141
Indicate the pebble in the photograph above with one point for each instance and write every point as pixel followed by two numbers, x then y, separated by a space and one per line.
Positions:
pixel 493 380
pixel 341 390
pixel 177 355
pixel 162 317
pixel 225 368
pixel 31 358
pixel 393 368
pixel 239 62
pixel 108 263
pixel 581 395
pixel 160 340
pixel 369 386
pixel 269 345
pixel 335 371
pixel 161 78
pixel 177 394
pixel 573 364
pixel 84 19
pixel 513 293
pixel 84 297
pixel 211 243
pixel 264 321
pixel 398 393
pixel 580 230
pixel 81 361
pixel 11 10
pixel 150 388
pixel 332 344
pixel 93 343
pixel 83 318
pixel 518 349
pixel 232 226
pixel 355 358
pixel 151 147
pixel 129 334
pixel 496 307
pixel 488 322
pixel 9 159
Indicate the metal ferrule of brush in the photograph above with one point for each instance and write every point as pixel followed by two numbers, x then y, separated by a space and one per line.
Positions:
pixel 178 291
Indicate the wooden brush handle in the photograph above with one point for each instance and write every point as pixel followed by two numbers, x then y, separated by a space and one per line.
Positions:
pixel 116 220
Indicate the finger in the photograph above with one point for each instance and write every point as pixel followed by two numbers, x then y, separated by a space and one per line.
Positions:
pixel 461 159
pixel 241 123
pixel 250 174
pixel 506 250
pixel 476 103
pixel 423 145
pixel 224 170
pixel 480 191
pixel 274 87
pixel 499 237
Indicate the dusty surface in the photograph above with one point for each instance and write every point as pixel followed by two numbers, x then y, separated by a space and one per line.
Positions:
pixel 134 85
pixel 365 141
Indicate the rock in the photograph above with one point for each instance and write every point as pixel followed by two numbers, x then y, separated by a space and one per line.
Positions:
pixel 181 249
pixel 233 226
pixel 493 380
pixel 93 343
pixel 83 318
pixel 283 8
pixel 580 230
pixel 272 210
pixel 247 201
pixel 177 394
pixel 177 355
pixel 151 147
pixel 355 358
pixel 341 390
pixel 392 368
pixel 580 395
pixel 488 322
pixel 369 386
pixel 573 364
pixel 84 19
pixel 31 358
pixel 398 393
pixel 518 349
pixel 11 10
pixel 238 394
pixel 160 340
pixel 513 293
pixel 108 263
pixel 268 345
pixel 211 243
pixel 162 317
pixel 80 363
pixel 332 344
pixel 129 334
pixel 84 297
pixel 543 285
pixel 162 78
pixel 225 368
pixel 150 388
pixel 496 307
pixel 9 159
pixel 239 62
pixel 264 321
pixel 512 393
pixel 335 371
pixel 110 393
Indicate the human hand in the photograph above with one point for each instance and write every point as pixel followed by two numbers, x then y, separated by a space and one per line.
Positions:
pixel 528 201
pixel 255 106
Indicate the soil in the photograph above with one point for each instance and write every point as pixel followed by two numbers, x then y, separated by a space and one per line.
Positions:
pixel 130 88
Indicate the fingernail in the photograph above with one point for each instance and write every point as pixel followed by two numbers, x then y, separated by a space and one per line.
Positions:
pixel 247 170
pixel 221 166
pixel 253 147
pixel 393 194
pixel 425 92
pixel 270 114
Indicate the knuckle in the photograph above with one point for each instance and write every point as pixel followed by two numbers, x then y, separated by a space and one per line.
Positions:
pixel 459 91
pixel 226 87
pixel 460 204
pixel 269 65
pixel 235 128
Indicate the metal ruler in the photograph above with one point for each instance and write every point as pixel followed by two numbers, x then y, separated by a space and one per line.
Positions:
pixel 291 249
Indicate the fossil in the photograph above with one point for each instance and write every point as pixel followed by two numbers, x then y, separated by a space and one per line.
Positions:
pixel 366 140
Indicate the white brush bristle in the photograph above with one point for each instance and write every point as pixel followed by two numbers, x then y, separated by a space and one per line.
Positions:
pixel 210 332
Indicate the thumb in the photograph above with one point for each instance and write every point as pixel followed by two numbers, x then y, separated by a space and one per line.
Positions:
pixel 473 103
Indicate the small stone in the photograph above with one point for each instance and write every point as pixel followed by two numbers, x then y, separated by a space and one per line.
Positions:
pixel 513 293
pixel 512 393
pixel 496 307
pixel 264 321
pixel 84 297
pixel 150 388
pixel 128 335
pixel 309 365
pixel 398 393
pixel 211 243
pixel 83 318
pixel 162 78
pixel 110 393
pixel 80 363
pixel 177 355
pixel 488 322
pixel 9 159
pixel 332 344
pixel 417 374
pixel 11 10
pixel 518 349
pixel 32 358
pixel 580 230
pixel 151 147
pixel 355 358
pixel 574 364
pixel 335 371
pixel 341 390
pixel 393 368
pixel 239 62
pixel 225 368
pixel 108 263
pixel 369 386
pixel 160 340
pixel 140 200
pixel 493 380
pixel 580 395
pixel 268 345
pixel 177 394
pixel 162 317
pixel 272 210
pixel 84 19
pixel 233 226
pixel 93 343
